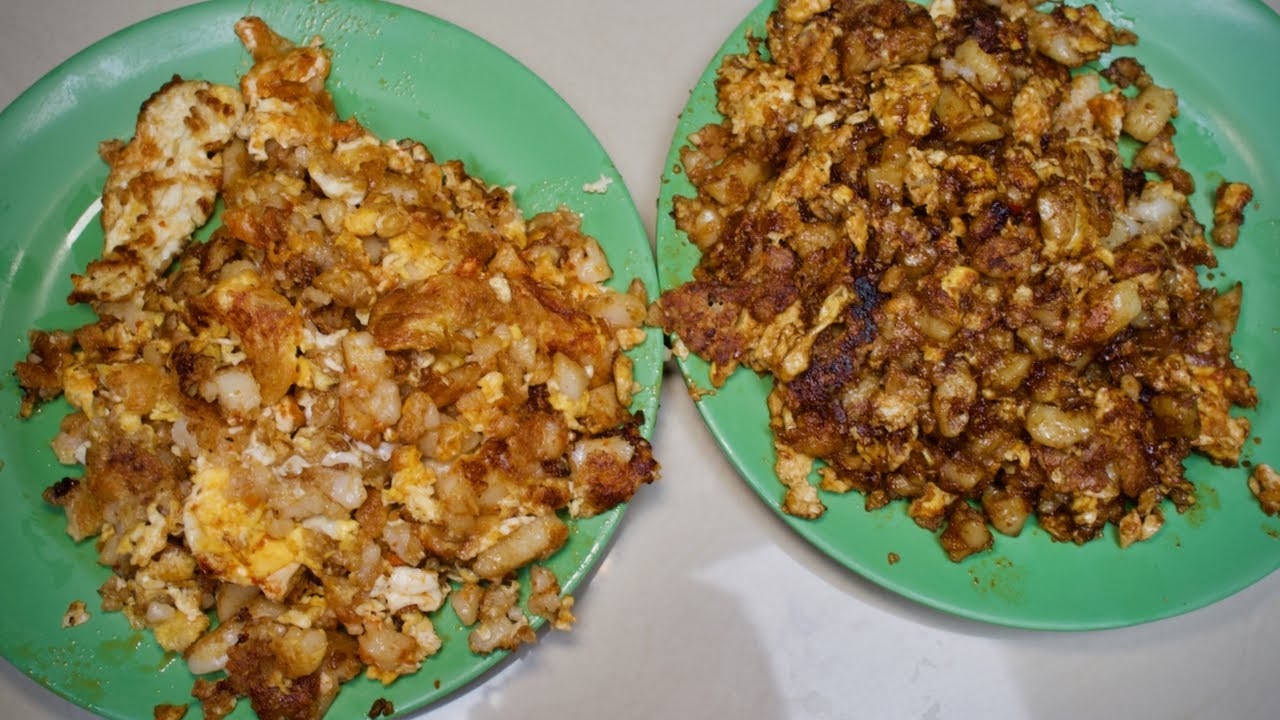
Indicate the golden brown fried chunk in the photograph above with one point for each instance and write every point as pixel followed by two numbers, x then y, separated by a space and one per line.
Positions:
pixel 1228 212
pixel 499 626
pixel 1264 483
pixel 40 374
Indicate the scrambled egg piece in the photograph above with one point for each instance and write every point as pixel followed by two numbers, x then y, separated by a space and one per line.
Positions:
pixel 162 185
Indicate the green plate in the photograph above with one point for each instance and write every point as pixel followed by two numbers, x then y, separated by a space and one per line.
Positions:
pixel 404 74
pixel 1217 57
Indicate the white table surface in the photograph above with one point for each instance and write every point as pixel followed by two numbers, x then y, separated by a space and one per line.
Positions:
pixel 706 605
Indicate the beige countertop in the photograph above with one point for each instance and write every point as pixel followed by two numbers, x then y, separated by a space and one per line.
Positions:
pixel 707 606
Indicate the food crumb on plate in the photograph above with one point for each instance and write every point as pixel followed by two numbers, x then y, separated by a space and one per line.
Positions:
pixel 76 614
pixel 382 707
pixel 1264 483
pixel 599 187
pixel 169 712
